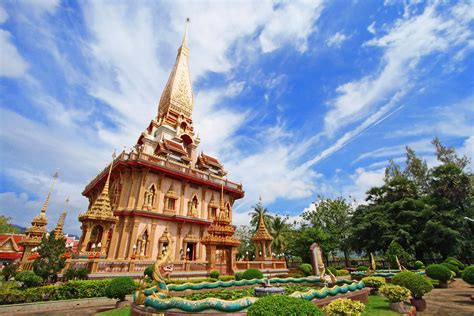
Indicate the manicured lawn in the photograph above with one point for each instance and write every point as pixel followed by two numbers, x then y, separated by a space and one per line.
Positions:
pixel 124 311
pixel 378 305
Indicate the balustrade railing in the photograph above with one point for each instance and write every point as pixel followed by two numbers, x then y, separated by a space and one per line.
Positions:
pixel 175 166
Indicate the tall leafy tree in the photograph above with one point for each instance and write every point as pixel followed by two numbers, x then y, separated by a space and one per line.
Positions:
pixel 300 239
pixel 333 216
pixel 246 248
pixel 279 230
pixel 51 260
pixel 6 227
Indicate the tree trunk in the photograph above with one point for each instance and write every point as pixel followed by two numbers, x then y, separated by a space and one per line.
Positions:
pixel 346 258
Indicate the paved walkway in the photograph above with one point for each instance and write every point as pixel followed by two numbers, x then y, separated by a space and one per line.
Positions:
pixel 455 300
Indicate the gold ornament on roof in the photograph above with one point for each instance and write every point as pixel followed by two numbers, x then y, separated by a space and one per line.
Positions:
pixel 101 208
pixel 58 231
pixel 262 233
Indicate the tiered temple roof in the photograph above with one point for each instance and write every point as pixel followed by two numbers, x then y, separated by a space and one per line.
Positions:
pixel 101 208
pixel 221 231
pixel 262 233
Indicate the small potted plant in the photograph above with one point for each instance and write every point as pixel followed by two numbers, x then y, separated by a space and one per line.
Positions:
pixel 396 295
pixel 418 286
pixel 439 272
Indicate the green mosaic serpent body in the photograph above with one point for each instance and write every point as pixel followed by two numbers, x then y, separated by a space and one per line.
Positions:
pixel 156 300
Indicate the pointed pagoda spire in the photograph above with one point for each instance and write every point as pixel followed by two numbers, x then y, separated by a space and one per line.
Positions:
pixel 184 43
pixel 58 231
pixel 178 93
pixel 262 233
pixel 46 202
pixel 101 209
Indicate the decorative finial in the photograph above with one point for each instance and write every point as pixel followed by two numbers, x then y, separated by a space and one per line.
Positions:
pixel 106 185
pixel 185 37
pixel 46 202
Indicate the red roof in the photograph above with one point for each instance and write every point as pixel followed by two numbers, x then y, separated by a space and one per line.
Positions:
pixel 10 255
pixel 211 160
pixel 174 146
pixel 17 238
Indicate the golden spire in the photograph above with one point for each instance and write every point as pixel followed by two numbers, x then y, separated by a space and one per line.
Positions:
pixel 178 92
pixel 262 232
pixel 222 206
pixel 58 231
pixel 185 36
pixel 46 202
pixel 101 208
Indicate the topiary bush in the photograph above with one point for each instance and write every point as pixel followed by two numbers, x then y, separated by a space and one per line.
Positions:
pixel 252 273
pixel 438 272
pixel 214 274
pixel 226 277
pixel 417 284
pixel 418 265
pixel 453 268
pixel 283 305
pixel 362 268
pixel 468 275
pixel 307 269
pixel 119 287
pixel 456 262
pixel 395 293
pixel 239 276
pixel 342 272
pixel 374 282
pixel 344 306
pixel 28 278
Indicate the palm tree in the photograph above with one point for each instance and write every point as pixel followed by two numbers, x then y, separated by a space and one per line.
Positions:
pixel 279 231
pixel 255 216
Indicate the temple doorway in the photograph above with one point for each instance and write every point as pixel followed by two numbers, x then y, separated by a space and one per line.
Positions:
pixel 223 261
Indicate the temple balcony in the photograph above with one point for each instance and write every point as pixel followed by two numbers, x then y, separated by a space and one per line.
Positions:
pixel 171 168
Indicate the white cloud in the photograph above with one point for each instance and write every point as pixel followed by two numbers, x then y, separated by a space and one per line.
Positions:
pixel 3 15
pixel 337 39
pixel 290 22
pixel 371 28
pixel 405 44
pixel 12 63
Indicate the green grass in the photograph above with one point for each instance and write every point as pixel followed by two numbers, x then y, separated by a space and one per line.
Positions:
pixel 124 311
pixel 378 305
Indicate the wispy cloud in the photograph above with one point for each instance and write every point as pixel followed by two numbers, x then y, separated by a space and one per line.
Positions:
pixel 337 39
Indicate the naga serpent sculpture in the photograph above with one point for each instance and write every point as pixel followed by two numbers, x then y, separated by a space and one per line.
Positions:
pixel 162 271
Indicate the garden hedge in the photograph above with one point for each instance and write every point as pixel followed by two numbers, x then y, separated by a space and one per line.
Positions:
pixel 65 291
pixel 283 305
pixel 374 282
pixel 456 262
pixel 120 287
pixel 452 267
pixel 395 293
pixel 214 274
pixel 307 269
pixel 252 273
pixel 344 306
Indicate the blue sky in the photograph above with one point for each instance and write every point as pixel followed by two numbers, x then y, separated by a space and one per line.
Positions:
pixel 297 99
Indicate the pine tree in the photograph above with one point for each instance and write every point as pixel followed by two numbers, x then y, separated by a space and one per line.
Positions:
pixel 51 260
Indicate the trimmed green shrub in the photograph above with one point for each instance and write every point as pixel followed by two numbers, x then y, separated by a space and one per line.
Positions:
pixel 456 262
pixel 452 267
pixel 252 273
pixel 395 293
pixel 68 290
pixel 362 268
pixel 75 273
pixel 374 282
pixel 283 305
pixel 342 272
pixel 417 284
pixel 418 265
pixel 149 271
pixel 344 306
pixel 9 271
pixel 468 275
pixel 307 269
pixel 226 277
pixel 119 287
pixel 28 278
pixel 239 276
pixel 214 274
pixel 438 272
